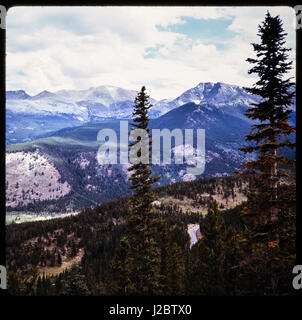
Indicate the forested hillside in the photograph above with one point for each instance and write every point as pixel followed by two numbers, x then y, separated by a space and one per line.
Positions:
pixel 82 247
pixel 45 246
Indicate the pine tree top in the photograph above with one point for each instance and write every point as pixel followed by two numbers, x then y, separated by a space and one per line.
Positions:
pixel 271 65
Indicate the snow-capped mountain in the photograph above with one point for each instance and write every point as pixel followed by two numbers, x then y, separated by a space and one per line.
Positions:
pixel 102 101
pixel 16 95
pixel 216 94
pixel 109 102
pixel 30 117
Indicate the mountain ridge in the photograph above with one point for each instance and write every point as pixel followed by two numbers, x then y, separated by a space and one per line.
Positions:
pixel 30 117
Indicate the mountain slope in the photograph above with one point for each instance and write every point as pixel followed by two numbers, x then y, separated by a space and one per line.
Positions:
pixel 72 151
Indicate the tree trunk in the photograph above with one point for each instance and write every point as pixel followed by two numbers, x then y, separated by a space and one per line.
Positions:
pixel 274 184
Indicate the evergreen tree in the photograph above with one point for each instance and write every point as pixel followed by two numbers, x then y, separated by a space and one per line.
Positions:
pixel 75 283
pixel 268 239
pixel 214 258
pixel 15 285
pixel 59 259
pixel 123 268
pixel 138 257
pixel 165 257
pixel 141 180
pixel 59 285
pixel 232 261
pixel 270 134
pixel 39 290
pixel 176 271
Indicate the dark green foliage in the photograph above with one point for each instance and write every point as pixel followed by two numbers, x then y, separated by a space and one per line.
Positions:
pixel 215 257
pixel 269 253
pixel 176 272
pixel 270 135
pixel 138 258
pixel 269 215
pixel 75 283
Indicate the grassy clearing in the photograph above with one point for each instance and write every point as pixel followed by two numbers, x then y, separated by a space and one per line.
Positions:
pixel 21 217
pixel 188 205
pixel 66 264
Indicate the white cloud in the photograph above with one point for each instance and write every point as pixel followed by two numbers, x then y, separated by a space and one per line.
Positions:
pixel 53 48
pixel 246 21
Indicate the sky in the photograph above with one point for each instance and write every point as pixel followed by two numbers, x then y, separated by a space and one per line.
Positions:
pixel 167 49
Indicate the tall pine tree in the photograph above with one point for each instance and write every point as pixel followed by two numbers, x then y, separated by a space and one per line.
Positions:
pixel 139 255
pixel 270 134
pixel 269 216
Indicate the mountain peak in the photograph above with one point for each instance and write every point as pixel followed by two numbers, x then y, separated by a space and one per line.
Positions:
pixel 44 94
pixel 217 94
pixel 17 95
pixel 203 84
